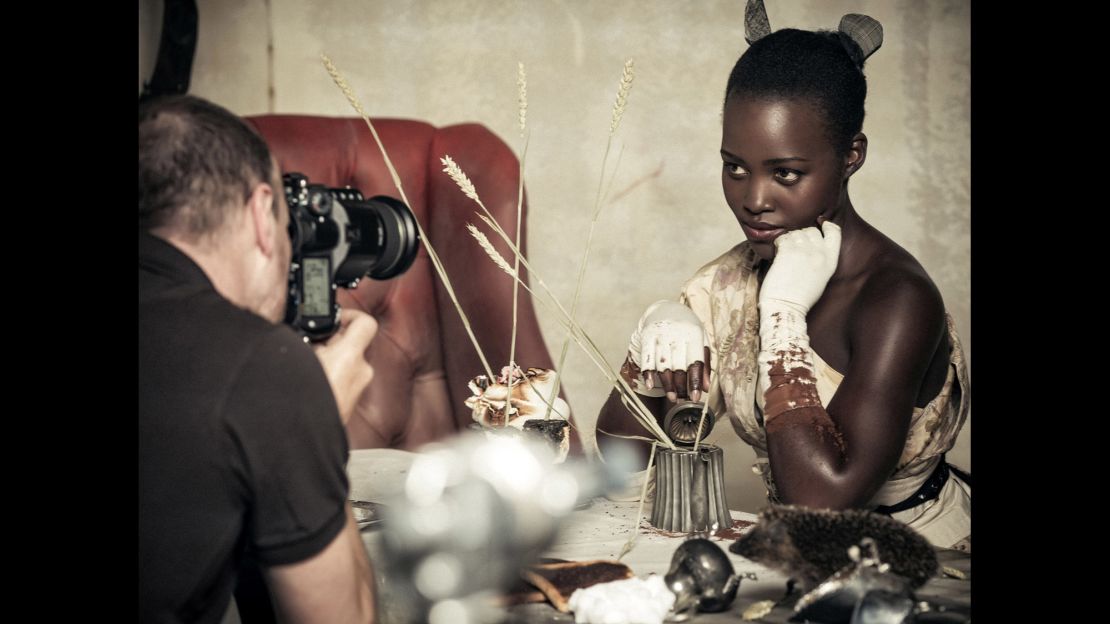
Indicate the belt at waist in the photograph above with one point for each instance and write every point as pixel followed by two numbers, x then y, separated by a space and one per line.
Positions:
pixel 929 490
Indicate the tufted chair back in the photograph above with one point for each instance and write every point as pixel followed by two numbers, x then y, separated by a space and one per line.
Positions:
pixel 422 357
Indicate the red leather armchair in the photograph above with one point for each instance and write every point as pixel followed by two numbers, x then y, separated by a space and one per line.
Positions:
pixel 422 357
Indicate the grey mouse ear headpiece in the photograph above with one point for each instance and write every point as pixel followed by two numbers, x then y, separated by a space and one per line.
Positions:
pixel 756 24
pixel 866 32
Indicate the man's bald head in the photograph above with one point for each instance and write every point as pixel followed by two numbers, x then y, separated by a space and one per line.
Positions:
pixel 197 162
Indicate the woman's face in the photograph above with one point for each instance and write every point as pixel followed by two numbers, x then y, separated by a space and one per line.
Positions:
pixel 780 170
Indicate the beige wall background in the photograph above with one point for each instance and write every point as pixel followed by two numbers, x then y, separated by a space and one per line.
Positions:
pixel 451 62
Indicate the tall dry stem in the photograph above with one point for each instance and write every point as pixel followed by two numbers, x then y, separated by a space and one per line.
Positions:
pixel 341 82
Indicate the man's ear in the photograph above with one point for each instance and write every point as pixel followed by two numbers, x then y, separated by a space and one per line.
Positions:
pixel 857 154
pixel 260 204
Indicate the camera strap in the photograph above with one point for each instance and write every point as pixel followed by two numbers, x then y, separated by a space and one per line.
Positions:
pixel 175 50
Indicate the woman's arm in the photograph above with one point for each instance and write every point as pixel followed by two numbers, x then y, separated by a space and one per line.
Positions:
pixel 668 354
pixel 615 418
pixel 840 458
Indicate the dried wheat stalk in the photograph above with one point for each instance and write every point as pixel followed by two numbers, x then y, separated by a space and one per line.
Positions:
pixel 354 101
pixel 618 112
pixel 575 331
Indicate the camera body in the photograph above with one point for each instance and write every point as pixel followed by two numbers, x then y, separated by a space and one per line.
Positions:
pixel 338 237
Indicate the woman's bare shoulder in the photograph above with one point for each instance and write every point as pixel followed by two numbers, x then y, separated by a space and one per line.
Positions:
pixel 898 324
pixel 898 288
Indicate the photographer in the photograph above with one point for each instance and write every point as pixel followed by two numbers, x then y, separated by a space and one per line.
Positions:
pixel 242 448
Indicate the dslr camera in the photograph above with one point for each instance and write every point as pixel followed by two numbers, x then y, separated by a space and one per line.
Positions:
pixel 338 237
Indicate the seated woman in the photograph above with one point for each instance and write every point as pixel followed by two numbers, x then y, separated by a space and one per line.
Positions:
pixel 825 343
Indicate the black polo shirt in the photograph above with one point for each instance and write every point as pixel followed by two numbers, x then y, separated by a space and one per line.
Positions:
pixel 241 448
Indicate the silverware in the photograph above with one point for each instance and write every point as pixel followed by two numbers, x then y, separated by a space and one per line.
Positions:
pixel 368 514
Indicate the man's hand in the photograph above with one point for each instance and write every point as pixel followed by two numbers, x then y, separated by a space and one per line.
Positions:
pixel 669 351
pixel 343 357
pixel 804 262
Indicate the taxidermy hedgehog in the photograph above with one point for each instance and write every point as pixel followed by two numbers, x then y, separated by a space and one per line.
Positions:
pixel 809 545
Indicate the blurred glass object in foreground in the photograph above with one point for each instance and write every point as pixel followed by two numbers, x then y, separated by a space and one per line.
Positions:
pixel 473 511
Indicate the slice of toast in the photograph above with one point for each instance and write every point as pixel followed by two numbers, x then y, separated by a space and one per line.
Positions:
pixel 555 580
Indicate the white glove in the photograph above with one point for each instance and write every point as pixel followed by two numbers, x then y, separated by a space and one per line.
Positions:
pixel 669 337
pixel 804 262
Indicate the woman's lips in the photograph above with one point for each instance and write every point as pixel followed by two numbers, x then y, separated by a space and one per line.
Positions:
pixel 762 233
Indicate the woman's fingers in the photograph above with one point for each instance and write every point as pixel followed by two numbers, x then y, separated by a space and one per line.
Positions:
pixel 667 379
pixel 694 380
pixel 678 384
pixel 680 388
pixel 705 377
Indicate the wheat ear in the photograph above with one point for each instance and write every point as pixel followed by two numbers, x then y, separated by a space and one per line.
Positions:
pixel 575 331
pixel 618 112
pixel 522 114
pixel 357 105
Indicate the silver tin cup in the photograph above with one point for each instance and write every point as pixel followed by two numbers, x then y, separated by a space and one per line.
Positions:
pixel 690 490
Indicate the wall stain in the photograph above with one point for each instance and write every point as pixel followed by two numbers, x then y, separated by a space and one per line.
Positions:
pixel 939 189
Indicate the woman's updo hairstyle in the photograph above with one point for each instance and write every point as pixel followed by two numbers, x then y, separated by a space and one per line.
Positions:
pixel 822 67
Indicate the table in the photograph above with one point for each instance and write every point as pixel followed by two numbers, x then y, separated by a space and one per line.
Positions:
pixel 600 531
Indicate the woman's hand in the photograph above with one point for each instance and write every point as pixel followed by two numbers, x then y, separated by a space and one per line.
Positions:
pixel 804 262
pixel 668 353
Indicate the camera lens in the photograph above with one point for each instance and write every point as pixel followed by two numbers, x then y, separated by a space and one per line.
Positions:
pixel 381 238
pixel 400 238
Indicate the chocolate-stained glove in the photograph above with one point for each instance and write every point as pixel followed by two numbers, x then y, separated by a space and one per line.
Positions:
pixel 804 262
pixel 669 352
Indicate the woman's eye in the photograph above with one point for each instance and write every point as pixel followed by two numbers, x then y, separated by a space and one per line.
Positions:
pixel 735 170
pixel 788 176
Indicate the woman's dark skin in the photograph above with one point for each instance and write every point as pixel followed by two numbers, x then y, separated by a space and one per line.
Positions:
pixel 880 320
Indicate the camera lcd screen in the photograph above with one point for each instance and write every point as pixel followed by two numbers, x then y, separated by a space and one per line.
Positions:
pixel 316 286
